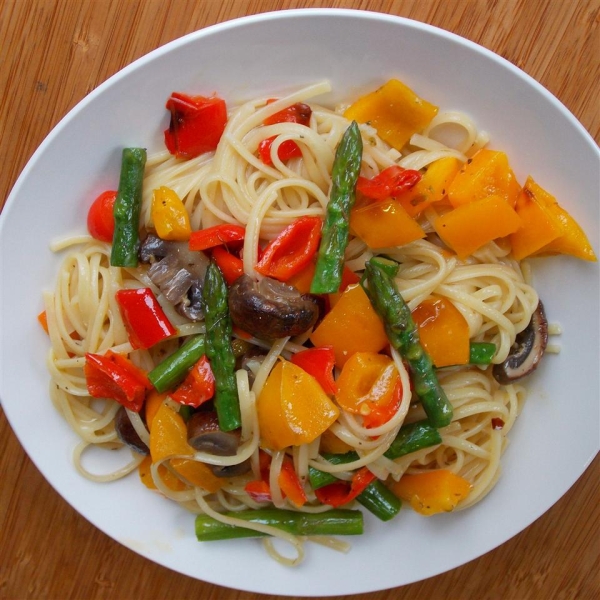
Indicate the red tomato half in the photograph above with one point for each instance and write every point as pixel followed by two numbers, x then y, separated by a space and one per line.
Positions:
pixel 101 221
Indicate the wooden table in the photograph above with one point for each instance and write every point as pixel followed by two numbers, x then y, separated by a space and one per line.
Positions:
pixel 52 53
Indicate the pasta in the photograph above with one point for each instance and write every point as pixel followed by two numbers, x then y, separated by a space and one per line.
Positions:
pixel 232 185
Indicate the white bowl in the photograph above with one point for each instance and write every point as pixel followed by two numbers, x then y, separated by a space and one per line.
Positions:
pixel 555 438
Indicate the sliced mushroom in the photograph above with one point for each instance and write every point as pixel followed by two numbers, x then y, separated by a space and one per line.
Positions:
pixel 527 351
pixel 271 309
pixel 204 435
pixel 127 433
pixel 178 272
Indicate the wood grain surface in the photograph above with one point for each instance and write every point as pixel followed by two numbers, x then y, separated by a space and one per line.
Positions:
pixel 54 52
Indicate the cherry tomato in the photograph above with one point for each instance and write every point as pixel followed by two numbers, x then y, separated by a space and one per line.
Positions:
pixel 100 221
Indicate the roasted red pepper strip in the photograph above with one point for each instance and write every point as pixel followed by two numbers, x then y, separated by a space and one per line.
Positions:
pixel 390 182
pixel 231 266
pixel 144 318
pixel 288 149
pixel 340 493
pixel 218 235
pixel 319 363
pixel 198 386
pixel 196 126
pixel 290 484
pixel 292 249
pixel 114 376
pixel 296 113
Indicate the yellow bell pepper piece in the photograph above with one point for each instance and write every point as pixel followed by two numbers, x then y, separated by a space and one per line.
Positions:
pixel 433 491
pixel 168 437
pixel 470 226
pixel 332 444
pixel 169 215
pixel 443 331
pixel 292 408
pixel 486 174
pixel 432 187
pixel 384 224
pixel 171 481
pixel 352 325
pixel 395 111
pixel 548 228
pixel 366 379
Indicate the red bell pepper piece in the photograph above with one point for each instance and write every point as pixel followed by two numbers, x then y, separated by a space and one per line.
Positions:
pixel 198 385
pixel 114 376
pixel 196 126
pixel 100 219
pixel 258 490
pixel 319 363
pixel 342 492
pixel 143 316
pixel 230 265
pixel 390 182
pixel 296 113
pixel 290 484
pixel 288 480
pixel 218 235
pixel 292 249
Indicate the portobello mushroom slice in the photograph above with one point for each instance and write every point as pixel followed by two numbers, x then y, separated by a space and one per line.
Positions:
pixel 178 272
pixel 270 309
pixel 527 351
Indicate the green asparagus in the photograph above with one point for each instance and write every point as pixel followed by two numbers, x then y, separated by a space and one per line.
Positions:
pixel 219 350
pixel 171 371
pixel 334 236
pixel 404 337
pixel 126 211
pixel 481 353
pixel 333 522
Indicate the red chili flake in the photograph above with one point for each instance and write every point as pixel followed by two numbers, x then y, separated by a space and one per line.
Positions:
pixel 497 423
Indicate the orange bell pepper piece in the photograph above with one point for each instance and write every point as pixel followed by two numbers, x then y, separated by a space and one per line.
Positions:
pixel 352 325
pixel 394 110
pixel 443 331
pixel 470 226
pixel 168 437
pixel 292 408
pixel 169 215
pixel 367 380
pixel 384 224
pixel 433 491
pixel 433 186
pixel 486 174
pixel 547 227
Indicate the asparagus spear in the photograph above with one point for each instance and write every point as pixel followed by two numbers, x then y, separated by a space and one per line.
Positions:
pixel 481 353
pixel 333 522
pixel 334 236
pixel 218 348
pixel 128 204
pixel 166 375
pixel 404 336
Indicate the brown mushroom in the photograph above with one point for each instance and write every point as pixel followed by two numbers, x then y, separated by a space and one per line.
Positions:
pixel 527 351
pixel 270 309
pixel 178 272
pixel 205 435
pixel 127 433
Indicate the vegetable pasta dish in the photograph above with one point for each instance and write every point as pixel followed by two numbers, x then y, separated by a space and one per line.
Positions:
pixel 296 310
